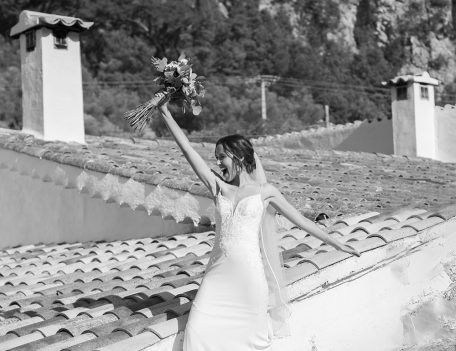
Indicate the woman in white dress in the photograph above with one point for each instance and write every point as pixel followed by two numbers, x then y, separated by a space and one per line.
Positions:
pixel 240 305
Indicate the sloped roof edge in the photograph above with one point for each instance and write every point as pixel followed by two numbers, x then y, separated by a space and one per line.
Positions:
pixel 423 78
pixel 32 19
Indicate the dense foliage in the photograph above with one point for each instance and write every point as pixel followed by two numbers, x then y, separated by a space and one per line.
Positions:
pixel 229 42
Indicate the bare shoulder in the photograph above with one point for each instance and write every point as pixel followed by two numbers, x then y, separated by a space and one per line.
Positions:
pixel 269 191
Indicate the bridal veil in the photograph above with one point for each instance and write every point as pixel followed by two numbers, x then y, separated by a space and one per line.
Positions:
pixel 278 309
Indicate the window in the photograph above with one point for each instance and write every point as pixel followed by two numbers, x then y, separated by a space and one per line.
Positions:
pixel 30 40
pixel 60 39
pixel 424 92
pixel 402 92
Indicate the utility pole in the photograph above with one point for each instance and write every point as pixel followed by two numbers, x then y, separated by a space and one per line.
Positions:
pixel 264 115
pixel 326 116
pixel 265 81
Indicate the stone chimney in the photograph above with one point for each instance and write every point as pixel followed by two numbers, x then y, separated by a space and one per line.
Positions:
pixel 413 109
pixel 52 106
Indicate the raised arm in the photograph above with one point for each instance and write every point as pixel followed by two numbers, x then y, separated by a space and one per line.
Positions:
pixel 278 201
pixel 200 167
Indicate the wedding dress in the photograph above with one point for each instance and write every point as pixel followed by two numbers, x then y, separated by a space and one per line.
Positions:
pixel 229 312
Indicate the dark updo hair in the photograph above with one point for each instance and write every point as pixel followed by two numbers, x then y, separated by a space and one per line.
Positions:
pixel 241 149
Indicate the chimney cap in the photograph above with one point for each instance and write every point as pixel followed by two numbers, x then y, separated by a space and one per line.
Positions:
pixel 31 19
pixel 423 78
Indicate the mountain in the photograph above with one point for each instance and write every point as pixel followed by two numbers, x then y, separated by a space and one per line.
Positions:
pixel 422 33
pixel 333 53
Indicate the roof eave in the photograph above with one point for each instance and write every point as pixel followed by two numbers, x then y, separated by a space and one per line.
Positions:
pixel 30 20
pixel 423 78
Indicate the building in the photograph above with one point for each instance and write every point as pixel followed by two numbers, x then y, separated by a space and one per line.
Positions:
pixel 418 128
pixel 129 277
pixel 51 75
pixel 105 242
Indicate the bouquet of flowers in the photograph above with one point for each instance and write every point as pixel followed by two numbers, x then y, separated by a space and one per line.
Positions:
pixel 177 82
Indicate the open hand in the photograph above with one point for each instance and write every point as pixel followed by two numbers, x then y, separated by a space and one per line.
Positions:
pixel 350 250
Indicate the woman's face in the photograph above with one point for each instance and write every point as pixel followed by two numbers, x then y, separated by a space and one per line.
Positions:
pixel 226 164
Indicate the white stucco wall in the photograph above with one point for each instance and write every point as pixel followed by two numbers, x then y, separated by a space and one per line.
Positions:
pixel 445 118
pixel 32 87
pixel 35 208
pixel 52 88
pixel 404 135
pixel 424 122
pixel 62 89
pixel 375 136
pixel 382 309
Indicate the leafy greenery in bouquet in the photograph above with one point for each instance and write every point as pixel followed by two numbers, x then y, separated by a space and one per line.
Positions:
pixel 177 83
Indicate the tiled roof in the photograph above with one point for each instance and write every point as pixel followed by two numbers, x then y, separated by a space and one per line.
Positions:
pixel 135 293
pixel 334 182
pixel 423 78
pixel 32 19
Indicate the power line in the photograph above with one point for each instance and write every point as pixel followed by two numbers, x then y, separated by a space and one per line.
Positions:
pixel 249 79
pixel 280 81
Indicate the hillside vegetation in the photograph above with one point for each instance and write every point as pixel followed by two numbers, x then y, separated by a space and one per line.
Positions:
pixel 329 52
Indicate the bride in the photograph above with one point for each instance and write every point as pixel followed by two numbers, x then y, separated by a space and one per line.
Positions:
pixel 241 304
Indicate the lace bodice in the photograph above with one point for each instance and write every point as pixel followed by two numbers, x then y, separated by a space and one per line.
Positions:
pixel 237 229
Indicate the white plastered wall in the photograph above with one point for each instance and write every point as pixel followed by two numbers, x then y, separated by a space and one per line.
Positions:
pixel 445 118
pixel 52 88
pixel 424 122
pixel 62 89
pixel 404 134
pixel 32 87
pixel 38 205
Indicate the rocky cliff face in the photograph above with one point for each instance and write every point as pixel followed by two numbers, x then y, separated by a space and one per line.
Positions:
pixel 423 32
pixel 426 29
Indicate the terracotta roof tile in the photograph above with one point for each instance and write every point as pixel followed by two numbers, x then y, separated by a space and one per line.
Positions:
pixel 395 234
pixel 169 327
pixel 406 213
pixel 19 324
pixel 135 343
pixel 325 259
pixel 445 213
pixel 301 251
pixel 19 341
pixel 370 228
pixel 340 180
pixel 368 244
pixel 356 235
pixel 75 328
pixel 99 342
pixel 300 271
pixel 349 221
pixel 133 293
pixel 59 341
pixel 120 324
pixel 419 225
pixel 138 323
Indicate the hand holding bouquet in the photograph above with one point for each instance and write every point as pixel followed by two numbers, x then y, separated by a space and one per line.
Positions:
pixel 178 82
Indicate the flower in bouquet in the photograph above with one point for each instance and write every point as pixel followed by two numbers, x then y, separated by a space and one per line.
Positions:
pixel 177 82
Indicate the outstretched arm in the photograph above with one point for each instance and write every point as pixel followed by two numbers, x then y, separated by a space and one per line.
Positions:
pixel 278 201
pixel 200 167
